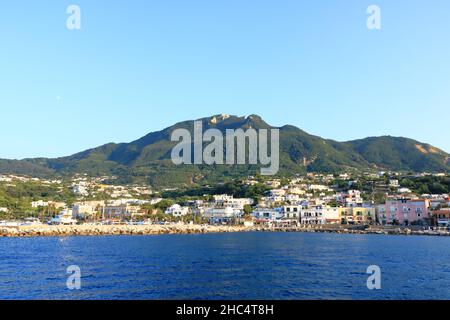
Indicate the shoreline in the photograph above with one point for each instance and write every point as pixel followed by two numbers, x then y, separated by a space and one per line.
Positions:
pixel 111 230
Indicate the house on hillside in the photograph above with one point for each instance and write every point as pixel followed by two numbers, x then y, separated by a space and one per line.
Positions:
pixel 177 211
pixel 406 211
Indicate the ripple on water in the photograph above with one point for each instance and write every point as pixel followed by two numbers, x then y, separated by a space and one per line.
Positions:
pixel 226 266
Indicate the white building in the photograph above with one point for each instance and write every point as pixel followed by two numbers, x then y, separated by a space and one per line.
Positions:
pixel 394 183
pixel 83 209
pixel 318 187
pixel 155 200
pixel 404 190
pixel 229 201
pixel 222 215
pixel 277 192
pixel 296 190
pixel 80 189
pixel 267 215
pixel 331 215
pixel 320 215
pixel 292 212
pixel 273 183
pixel 353 199
pixel 118 211
pixel 222 198
pixel 292 198
pixel 271 200
pixel 65 217
pixel 177 211
pixel 39 203
pixel 226 212
pixel 5 178
pixel 312 216
pixel 344 176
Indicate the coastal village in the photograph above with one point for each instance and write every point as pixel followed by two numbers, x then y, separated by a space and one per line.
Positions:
pixel 308 201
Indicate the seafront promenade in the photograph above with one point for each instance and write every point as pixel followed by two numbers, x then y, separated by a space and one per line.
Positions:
pixel 100 230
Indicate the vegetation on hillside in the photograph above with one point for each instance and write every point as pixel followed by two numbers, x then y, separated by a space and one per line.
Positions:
pixel 147 160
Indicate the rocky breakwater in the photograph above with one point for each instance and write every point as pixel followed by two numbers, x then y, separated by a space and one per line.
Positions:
pixel 99 230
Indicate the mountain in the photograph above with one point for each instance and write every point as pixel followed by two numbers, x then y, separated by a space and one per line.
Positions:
pixel 24 167
pixel 401 154
pixel 148 159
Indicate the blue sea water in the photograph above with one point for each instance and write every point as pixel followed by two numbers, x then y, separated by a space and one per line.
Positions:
pixel 226 266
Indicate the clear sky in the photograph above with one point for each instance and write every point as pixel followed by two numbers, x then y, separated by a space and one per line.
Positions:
pixel 140 66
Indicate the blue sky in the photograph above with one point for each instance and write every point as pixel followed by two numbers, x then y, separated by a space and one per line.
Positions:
pixel 139 66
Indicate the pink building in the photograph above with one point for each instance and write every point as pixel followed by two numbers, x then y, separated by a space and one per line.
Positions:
pixel 406 211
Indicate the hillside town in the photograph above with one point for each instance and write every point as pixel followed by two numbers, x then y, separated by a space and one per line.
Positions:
pixel 382 199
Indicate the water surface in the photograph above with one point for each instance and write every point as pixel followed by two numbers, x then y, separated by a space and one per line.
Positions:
pixel 226 266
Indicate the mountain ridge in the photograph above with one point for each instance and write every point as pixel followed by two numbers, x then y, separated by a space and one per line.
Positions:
pixel 148 158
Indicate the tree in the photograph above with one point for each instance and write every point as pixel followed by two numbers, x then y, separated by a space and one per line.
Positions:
pixel 248 209
pixel 164 204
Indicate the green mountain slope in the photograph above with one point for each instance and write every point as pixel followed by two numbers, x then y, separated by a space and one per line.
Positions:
pixel 148 158
pixel 397 153
pixel 23 167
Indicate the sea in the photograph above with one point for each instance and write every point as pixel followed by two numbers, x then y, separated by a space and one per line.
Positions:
pixel 231 266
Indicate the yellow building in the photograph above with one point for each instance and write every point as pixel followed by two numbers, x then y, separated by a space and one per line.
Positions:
pixel 357 215
pixel 122 210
